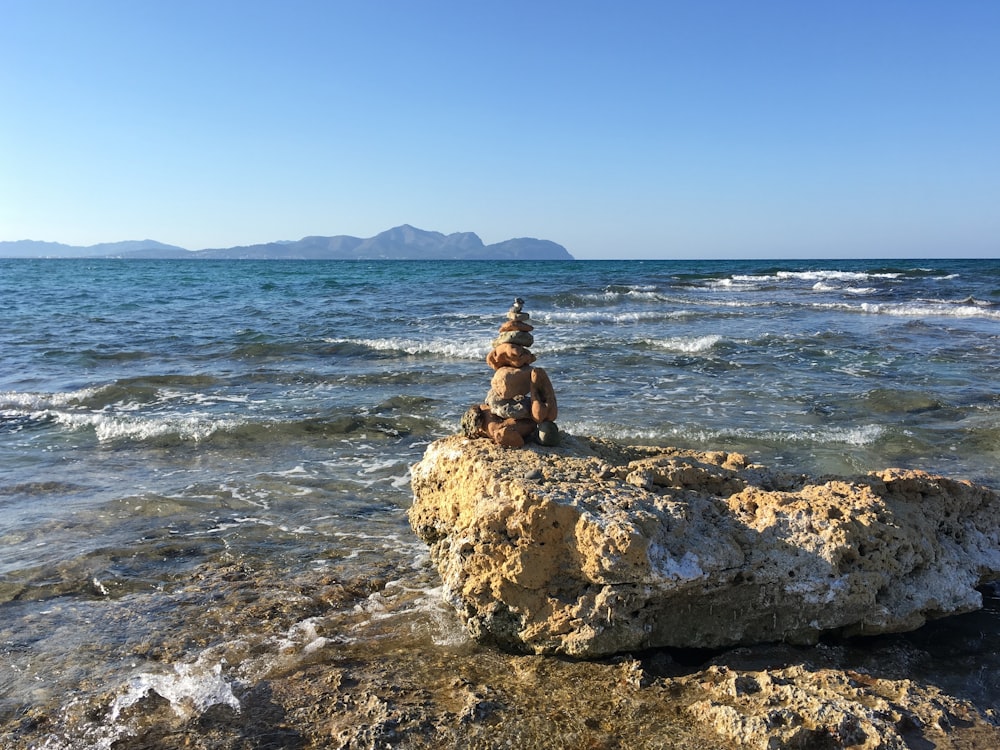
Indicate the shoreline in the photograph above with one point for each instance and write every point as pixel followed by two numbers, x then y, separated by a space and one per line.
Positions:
pixel 282 672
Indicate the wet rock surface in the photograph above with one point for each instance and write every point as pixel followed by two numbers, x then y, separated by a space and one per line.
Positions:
pixel 361 665
pixel 591 549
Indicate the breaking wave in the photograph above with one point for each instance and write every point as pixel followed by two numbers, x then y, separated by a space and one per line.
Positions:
pixel 441 347
pixel 687 345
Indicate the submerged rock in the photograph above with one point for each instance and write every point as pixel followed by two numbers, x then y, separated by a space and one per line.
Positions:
pixel 592 548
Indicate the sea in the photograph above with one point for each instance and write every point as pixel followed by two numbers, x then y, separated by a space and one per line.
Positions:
pixel 204 465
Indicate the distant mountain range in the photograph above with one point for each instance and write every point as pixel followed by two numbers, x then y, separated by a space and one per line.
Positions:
pixel 401 243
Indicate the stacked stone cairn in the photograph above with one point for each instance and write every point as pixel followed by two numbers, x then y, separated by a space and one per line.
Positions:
pixel 521 404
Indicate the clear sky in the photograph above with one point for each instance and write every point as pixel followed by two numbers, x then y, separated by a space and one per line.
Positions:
pixel 660 129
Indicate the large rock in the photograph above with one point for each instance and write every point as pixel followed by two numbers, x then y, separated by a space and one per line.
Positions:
pixel 593 548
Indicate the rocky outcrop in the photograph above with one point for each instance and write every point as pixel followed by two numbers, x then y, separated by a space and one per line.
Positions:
pixel 827 709
pixel 591 548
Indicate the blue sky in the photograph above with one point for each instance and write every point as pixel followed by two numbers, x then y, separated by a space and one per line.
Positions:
pixel 711 129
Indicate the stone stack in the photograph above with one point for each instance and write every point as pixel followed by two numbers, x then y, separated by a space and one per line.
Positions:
pixel 521 404
pixel 516 330
pixel 509 396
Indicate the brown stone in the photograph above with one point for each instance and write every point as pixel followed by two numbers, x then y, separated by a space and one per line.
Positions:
pixel 509 382
pixel 515 325
pixel 509 355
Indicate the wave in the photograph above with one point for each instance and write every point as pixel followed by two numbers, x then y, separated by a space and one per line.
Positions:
pixel 822 280
pixel 914 309
pixel 23 402
pixel 970 300
pixel 141 390
pixel 822 286
pixel 96 356
pixel 613 294
pixel 861 435
pixel 742 283
pixel 175 429
pixel 21 411
pixel 831 275
pixel 928 309
pixel 441 347
pixel 686 344
pixel 87 410
pixel 611 316
pixel 280 350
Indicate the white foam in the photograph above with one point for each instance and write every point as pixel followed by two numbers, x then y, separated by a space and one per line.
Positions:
pixel 42 402
pixel 298 470
pixel 371 466
pixel 108 428
pixel 930 309
pixel 234 523
pixel 445 627
pixel 447 347
pixel 823 280
pixel 830 275
pixel 641 291
pixel 607 316
pixel 687 345
pixel 737 283
pixel 303 636
pixel 191 689
pixel 204 399
pixel 859 435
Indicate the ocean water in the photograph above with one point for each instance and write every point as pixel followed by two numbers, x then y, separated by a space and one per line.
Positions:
pixel 204 465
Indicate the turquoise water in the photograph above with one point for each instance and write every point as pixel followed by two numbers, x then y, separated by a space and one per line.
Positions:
pixel 165 420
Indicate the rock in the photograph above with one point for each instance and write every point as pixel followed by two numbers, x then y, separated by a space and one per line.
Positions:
pixel 548 433
pixel 516 325
pixel 802 707
pixel 626 548
pixel 509 355
pixel 521 338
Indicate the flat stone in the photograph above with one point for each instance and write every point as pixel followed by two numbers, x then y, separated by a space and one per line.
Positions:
pixel 521 338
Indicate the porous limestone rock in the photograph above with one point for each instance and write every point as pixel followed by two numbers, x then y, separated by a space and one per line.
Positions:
pixel 592 548
pixel 803 707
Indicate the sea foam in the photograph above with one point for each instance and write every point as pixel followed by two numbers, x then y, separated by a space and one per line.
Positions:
pixel 687 345
pixel 191 689
pixel 475 349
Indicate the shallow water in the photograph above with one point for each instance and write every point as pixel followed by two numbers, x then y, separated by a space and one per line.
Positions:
pixel 183 438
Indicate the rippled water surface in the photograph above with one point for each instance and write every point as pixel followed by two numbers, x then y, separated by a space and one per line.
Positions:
pixel 167 427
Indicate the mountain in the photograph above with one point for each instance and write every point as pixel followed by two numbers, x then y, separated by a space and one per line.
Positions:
pixel 39 249
pixel 400 243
